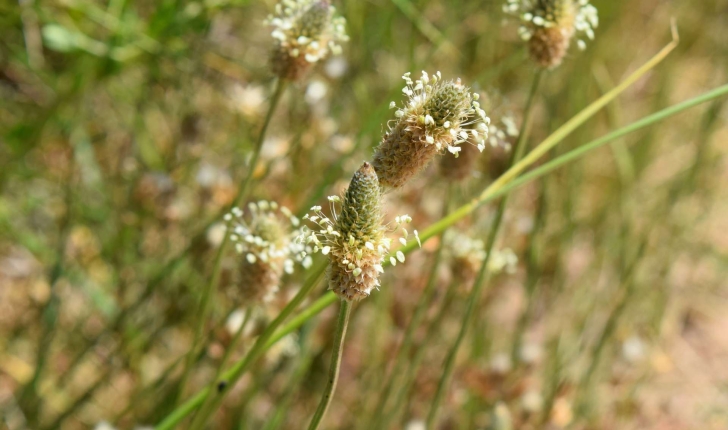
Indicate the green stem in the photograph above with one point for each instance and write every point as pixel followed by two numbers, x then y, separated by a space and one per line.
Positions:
pixel 336 353
pixel 626 292
pixel 243 192
pixel 533 274
pixel 31 403
pixel 204 306
pixel 404 350
pixel 205 408
pixel 232 375
pixel 419 354
pixel 481 280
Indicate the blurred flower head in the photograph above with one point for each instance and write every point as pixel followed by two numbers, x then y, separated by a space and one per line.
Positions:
pixel 549 25
pixel 305 32
pixel 467 256
pixel 265 240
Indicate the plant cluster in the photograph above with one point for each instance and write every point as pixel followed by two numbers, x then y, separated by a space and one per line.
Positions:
pixel 151 152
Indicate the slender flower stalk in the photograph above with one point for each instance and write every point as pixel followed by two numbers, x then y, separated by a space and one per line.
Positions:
pixel 204 304
pixel 198 421
pixel 549 26
pixel 483 273
pixel 333 378
pixel 438 117
pixel 232 375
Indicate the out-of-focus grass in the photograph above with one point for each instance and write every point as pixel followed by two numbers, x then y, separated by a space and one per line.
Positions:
pixel 126 128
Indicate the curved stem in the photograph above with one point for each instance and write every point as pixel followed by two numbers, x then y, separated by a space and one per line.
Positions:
pixel 217 381
pixel 204 306
pixel 336 353
pixel 232 375
pixel 245 188
pixel 481 280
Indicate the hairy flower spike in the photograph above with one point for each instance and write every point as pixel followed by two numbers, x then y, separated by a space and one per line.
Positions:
pixel 438 117
pixel 265 239
pixel 549 26
pixel 305 32
pixel 355 239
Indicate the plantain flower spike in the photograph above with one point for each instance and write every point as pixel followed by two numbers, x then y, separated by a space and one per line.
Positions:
pixel 354 240
pixel 549 25
pixel 437 118
pixel 265 238
pixel 305 32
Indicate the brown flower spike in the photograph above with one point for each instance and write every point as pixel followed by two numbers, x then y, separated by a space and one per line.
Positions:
pixel 437 118
pixel 355 239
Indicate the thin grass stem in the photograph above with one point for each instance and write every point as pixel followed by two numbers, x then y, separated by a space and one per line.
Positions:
pixel 232 375
pixel 204 305
pixel 404 350
pixel 339 335
pixel 475 293
pixel 419 353
pixel 204 409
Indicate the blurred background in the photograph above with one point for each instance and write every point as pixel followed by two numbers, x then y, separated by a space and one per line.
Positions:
pixel 126 128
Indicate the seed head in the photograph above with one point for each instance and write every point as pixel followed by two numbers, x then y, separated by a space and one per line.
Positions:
pixel 265 240
pixel 549 25
pixel 305 32
pixel 467 255
pixel 438 117
pixel 354 240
